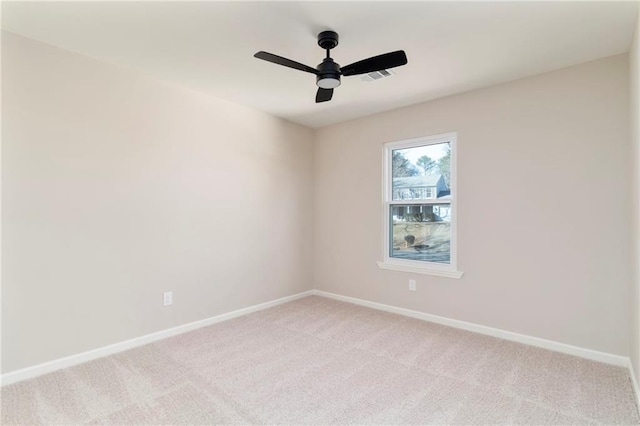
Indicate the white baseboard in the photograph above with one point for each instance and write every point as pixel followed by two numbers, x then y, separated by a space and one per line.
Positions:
pixel 634 382
pixel 48 367
pixel 604 357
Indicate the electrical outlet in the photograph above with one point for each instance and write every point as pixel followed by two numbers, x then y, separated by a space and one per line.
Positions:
pixel 412 285
pixel 168 298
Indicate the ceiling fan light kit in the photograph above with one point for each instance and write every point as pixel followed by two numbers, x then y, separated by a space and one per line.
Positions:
pixel 328 72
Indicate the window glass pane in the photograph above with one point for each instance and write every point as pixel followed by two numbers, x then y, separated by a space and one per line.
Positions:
pixel 421 232
pixel 421 173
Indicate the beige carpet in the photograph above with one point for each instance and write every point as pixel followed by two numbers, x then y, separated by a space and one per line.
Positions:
pixel 319 361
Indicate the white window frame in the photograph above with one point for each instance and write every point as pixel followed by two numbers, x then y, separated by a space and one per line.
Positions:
pixel 418 266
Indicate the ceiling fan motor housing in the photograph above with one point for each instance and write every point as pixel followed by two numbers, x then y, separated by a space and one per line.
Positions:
pixel 328 74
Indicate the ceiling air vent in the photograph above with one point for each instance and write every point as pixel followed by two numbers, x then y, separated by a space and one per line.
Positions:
pixel 376 75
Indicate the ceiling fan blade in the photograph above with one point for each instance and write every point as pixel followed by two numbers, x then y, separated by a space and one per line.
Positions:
pixel 324 95
pixel 376 63
pixel 270 57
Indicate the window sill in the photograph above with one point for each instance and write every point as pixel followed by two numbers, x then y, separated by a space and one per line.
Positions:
pixel 419 270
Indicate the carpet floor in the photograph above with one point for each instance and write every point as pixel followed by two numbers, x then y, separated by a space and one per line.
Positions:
pixel 320 361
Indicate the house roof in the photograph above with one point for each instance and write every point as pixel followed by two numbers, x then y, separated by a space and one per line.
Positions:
pixel 417 181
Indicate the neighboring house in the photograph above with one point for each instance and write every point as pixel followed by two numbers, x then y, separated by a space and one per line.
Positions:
pixel 419 187
pixel 429 187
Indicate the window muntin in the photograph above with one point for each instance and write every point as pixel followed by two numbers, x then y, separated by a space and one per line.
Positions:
pixel 420 203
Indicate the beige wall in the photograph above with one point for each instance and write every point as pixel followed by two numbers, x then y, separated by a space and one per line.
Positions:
pixel 634 74
pixel 117 187
pixel 545 251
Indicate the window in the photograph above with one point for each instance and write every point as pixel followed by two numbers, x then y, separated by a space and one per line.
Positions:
pixel 419 206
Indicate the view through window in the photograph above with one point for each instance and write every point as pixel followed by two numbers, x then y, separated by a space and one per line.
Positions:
pixel 419 202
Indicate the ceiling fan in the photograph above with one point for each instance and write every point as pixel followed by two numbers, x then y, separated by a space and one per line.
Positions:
pixel 328 72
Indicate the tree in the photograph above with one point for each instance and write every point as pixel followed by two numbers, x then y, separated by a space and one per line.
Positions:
pixel 444 165
pixel 402 167
pixel 426 163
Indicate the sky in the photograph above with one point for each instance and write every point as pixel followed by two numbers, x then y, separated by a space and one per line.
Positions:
pixel 435 152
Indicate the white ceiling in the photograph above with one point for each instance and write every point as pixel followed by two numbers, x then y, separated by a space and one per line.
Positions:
pixel 451 46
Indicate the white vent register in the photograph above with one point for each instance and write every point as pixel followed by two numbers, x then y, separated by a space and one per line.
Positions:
pixel 376 75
